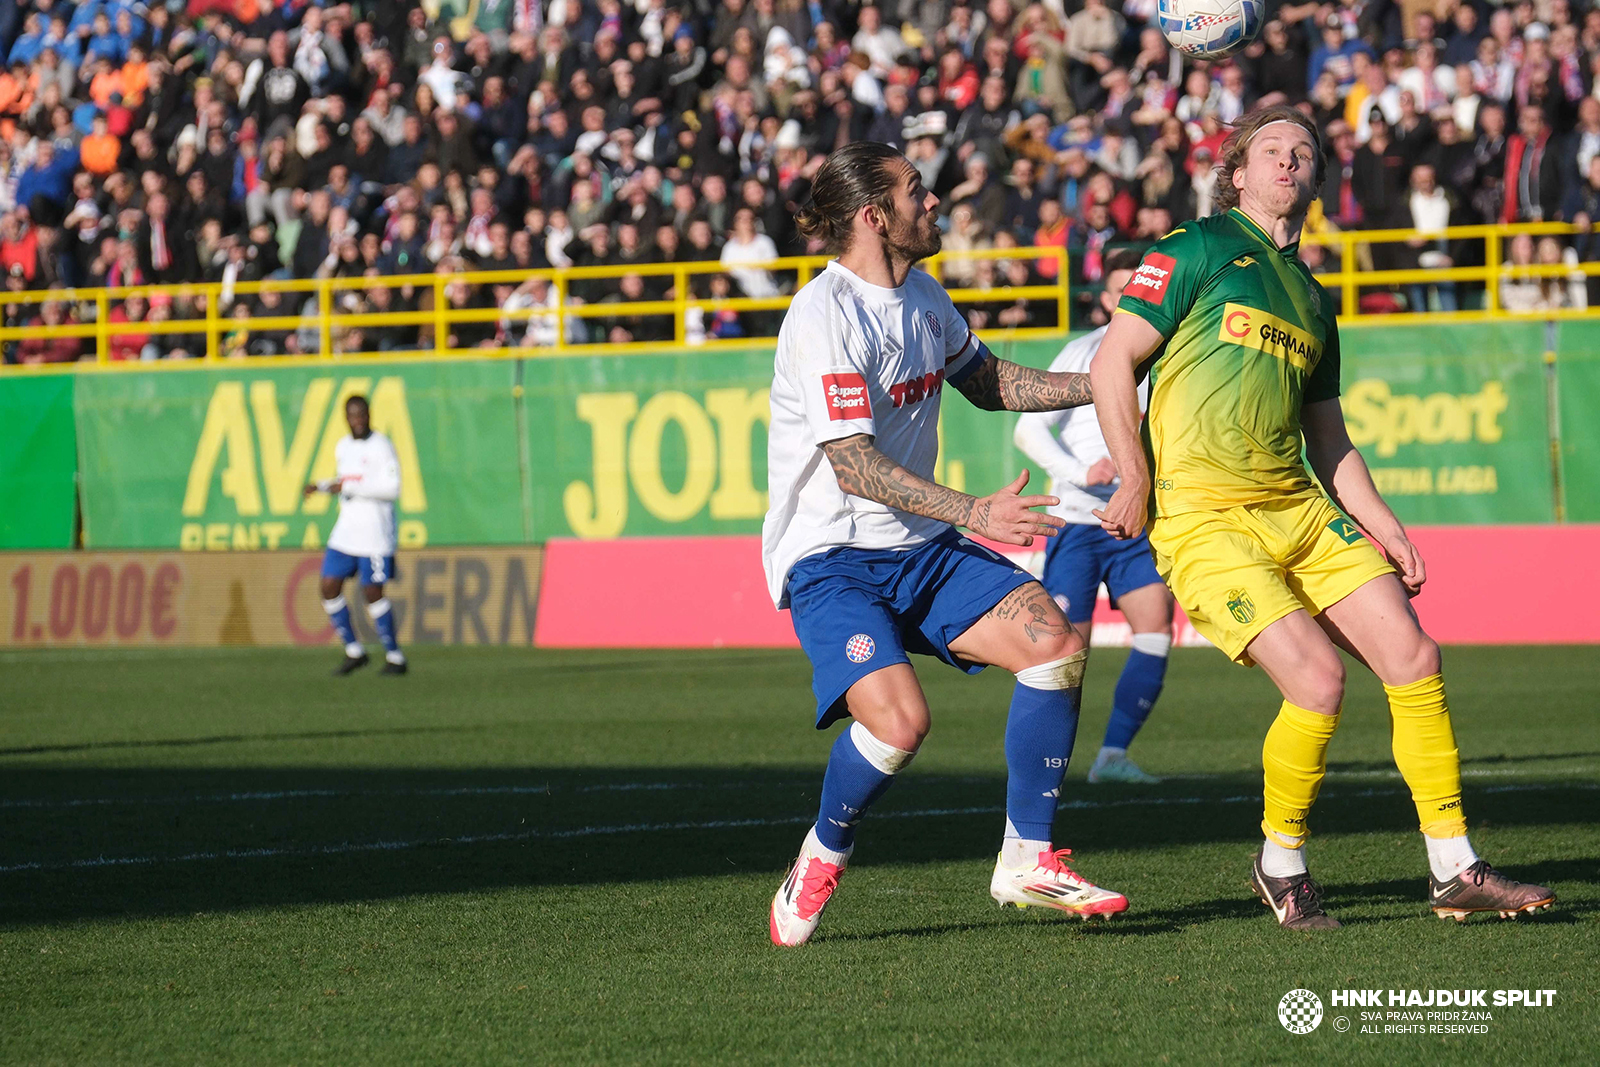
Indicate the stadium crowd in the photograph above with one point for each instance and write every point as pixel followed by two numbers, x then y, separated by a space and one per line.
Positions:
pixel 229 141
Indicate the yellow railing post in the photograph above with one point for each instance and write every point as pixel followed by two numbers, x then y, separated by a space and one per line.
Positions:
pixel 213 338
pixel 441 322
pixel 680 297
pixel 561 311
pixel 1491 271
pixel 1347 266
pixel 324 323
pixel 102 327
pixel 1063 301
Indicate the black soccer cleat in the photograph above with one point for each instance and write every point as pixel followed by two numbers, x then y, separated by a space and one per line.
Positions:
pixel 1297 901
pixel 394 668
pixel 351 663
pixel 1482 888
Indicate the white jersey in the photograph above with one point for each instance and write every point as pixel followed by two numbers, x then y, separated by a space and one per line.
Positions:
pixel 1067 443
pixel 371 472
pixel 855 358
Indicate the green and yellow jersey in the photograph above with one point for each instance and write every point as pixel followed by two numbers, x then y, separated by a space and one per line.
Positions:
pixel 1250 339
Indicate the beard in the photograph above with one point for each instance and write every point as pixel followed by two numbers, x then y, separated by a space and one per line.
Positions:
pixel 913 242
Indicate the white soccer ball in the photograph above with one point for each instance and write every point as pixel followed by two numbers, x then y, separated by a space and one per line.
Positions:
pixel 1210 29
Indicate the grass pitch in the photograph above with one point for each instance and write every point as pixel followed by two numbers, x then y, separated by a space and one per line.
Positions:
pixel 531 857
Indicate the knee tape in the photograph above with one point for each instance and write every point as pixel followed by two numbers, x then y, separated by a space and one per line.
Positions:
pixel 1153 644
pixel 886 758
pixel 334 606
pixel 378 609
pixel 1064 673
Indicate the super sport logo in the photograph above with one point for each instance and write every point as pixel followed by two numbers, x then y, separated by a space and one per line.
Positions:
pixel 1151 279
pixel 1253 328
pixel 846 397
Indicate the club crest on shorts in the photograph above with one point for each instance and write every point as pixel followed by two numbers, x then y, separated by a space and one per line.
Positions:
pixel 933 324
pixel 1240 606
pixel 859 648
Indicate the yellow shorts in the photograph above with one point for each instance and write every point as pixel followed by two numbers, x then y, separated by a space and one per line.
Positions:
pixel 1239 570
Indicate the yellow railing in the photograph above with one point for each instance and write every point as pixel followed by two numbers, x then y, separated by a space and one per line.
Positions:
pixel 207 307
pixel 1353 245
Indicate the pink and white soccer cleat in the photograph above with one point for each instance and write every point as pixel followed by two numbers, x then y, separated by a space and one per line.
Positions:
pixel 1050 883
pixel 797 908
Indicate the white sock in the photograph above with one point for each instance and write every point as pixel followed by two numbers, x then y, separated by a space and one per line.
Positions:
pixel 1449 856
pixel 814 847
pixel 1107 752
pixel 355 649
pixel 395 657
pixel 1280 862
pixel 1018 853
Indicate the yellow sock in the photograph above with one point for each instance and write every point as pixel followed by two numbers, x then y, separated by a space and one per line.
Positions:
pixel 1294 758
pixel 1425 752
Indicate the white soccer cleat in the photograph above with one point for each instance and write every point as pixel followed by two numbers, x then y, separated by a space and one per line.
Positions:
pixel 797 907
pixel 1117 767
pixel 1050 883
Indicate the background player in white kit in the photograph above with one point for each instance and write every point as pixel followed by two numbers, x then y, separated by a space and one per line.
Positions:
pixel 1069 447
pixel 367 479
pixel 860 542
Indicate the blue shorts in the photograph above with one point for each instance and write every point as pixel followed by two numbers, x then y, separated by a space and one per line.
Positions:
pixel 860 610
pixel 1081 556
pixel 373 570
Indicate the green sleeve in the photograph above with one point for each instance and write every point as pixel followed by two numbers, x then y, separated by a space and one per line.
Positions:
pixel 1324 381
pixel 1169 279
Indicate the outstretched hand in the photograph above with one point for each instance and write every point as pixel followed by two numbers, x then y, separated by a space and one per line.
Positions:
pixel 1123 516
pixel 1008 517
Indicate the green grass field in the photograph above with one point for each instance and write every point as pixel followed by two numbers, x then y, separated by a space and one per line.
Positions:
pixel 536 857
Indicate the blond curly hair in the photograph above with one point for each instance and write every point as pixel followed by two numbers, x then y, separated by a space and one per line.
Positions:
pixel 1235 148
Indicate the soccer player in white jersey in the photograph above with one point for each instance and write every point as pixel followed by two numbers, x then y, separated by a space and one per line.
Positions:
pixel 367 479
pixel 860 544
pixel 1069 447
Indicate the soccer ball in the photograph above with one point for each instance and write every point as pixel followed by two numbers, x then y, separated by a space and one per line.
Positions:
pixel 1210 29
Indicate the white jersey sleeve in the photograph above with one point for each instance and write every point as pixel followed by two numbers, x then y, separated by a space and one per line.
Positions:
pixel 1067 443
pixel 370 473
pixel 855 358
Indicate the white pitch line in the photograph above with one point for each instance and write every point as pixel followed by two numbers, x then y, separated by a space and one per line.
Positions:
pixel 545 789
pixel 352 847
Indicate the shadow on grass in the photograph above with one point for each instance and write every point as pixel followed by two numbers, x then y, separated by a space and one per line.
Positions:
pixel 79 843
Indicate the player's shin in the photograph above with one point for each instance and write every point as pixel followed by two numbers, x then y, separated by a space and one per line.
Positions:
pixel 1138 687
pixel 1294 759
pixel 339 614
pixel 1040 731
pixel 1425 751
pixel 860 770
pixel 382 615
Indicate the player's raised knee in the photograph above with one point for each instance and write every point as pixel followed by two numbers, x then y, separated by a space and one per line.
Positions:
pixel 1320 687
pixel 901 725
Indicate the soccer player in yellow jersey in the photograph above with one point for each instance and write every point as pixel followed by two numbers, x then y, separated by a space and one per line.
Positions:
pixel 1242 352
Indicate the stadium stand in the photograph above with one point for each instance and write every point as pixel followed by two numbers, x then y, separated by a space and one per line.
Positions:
pixel 296 178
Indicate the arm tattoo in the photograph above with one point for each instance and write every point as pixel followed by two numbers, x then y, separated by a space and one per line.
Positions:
pixel 1000 385
pixel 865 472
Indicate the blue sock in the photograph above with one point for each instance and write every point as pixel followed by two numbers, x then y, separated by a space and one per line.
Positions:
pixel 1039 735
pixel 339 614
pixel 382 617
pixel 854 783
pixel 1137 690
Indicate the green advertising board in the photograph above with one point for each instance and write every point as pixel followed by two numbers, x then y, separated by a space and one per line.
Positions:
pixel 38 462
pixel 217 460
pixel 1454 421
pixel 1577 374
